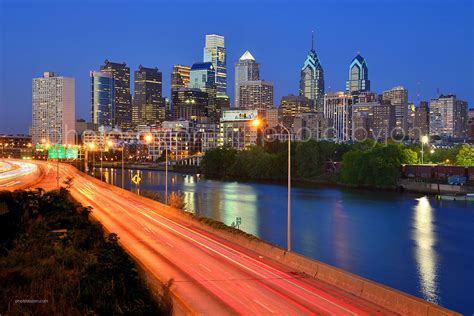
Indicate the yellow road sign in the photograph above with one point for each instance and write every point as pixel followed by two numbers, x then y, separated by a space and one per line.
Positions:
pixel 136 179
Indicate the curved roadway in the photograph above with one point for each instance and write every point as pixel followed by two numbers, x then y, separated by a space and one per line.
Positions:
pixel 212 276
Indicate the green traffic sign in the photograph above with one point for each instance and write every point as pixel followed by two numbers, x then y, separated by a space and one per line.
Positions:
pixel 59 151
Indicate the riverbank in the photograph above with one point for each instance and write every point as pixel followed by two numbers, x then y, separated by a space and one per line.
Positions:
pixel 55 260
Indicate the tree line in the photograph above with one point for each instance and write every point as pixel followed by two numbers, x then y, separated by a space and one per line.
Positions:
pixel 368 163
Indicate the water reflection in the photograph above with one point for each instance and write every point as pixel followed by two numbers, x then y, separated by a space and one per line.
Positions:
pixel 425 239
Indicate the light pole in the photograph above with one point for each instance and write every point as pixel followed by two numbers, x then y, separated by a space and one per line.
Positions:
pixel 424 140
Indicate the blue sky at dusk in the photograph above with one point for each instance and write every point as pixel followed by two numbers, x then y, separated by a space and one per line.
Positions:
pixel 423 45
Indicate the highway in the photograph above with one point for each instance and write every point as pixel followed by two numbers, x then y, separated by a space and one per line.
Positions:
pixel 17 174
pixel 212 276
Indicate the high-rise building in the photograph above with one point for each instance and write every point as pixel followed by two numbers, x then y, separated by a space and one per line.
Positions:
pixel 148 103
pixel 371 120
pixel 236 129
pixel 422 120
pixel 215 52
pixel 189 104
pixel 256 94
pixel 292 106
pixel 53 109
pixel 312 78
pixel 470 123
pixel 123 98
pixel 180 77
pixel 202 77
pixel 246 69
pixel 448 117
pixel 102 99
pixel 310 125
pixel 398 98
pixel 358 76
pixel 337 110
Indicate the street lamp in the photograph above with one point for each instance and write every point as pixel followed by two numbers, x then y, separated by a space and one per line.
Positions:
pixel 424 140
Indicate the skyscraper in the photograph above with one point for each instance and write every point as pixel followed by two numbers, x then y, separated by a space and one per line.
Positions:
pixel 202 77
pixel 398 98
pixel 189 104
pixel 215 52
pixel 312 78
pixel 358 76
pixel 293 106
pixel 338 110
pixel 123 98
pixel 53 109
pixel 256 94
pixel 448 117
pixel 422 120
pixel 246 69
pixel 102 99
pixel 148 104
pixel 180 77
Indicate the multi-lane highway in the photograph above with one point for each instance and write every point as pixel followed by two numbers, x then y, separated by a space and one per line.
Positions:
pixel 17 174
pixel 212 276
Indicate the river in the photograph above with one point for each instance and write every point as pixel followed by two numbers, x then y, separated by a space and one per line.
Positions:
pixel 409 242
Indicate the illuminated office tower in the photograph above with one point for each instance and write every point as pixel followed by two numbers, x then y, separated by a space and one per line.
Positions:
pixel 312 78
pixel 53 109
pixel 256 95
pixel 179 77
pixel 448 116
pixel 102 99
pixel 148 104
pixel 246 69
pixel 215 52
pixel 398 98
pixel 358 76
pixel 338 110
pixel 123 98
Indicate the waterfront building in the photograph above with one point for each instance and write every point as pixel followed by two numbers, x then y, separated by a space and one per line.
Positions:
pixel 148 102
pixel 371 120
pixel 237 129
pixel 102 99
pixel 398 98
pixel 53 109
pixel 337 109
pixel 215 52
pixel 448 117
pixel 292 106
pixel 246 69
pixel 189 104
pixel 123 98
pixel 256 95
pixel 422 120
pixel 358 76
pixel 180 77
pixel 312 78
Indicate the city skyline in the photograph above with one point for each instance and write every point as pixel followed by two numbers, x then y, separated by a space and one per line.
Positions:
pixel 281 65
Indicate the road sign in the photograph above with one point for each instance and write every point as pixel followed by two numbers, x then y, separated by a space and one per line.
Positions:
pixel 56 151
pixel 72 153
pixel 238 220
pixel 136 179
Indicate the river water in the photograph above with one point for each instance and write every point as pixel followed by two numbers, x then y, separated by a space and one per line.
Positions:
pixel 406 241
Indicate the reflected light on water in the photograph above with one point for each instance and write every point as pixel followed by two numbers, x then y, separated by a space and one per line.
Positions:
pixel 425 239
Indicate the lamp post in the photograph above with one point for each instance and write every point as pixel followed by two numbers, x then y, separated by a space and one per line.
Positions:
pixel 424 140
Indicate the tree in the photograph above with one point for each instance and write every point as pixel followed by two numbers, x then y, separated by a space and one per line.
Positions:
pixel 465 157
pixel 218 161
pixel 409 156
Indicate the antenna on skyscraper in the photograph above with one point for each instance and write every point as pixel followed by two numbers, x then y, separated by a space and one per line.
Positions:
pixel 418 91
pixel 312 40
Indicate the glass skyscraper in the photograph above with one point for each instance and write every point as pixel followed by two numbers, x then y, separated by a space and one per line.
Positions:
pixel 102 99
pixel 122 96
pixel 312 78
pixel 358 76
pixel 215 52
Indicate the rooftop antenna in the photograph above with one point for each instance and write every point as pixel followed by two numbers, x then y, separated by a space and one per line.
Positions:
pixel 418 91
pixel 312 40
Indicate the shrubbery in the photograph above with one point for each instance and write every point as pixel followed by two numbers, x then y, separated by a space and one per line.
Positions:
pixel 52 251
